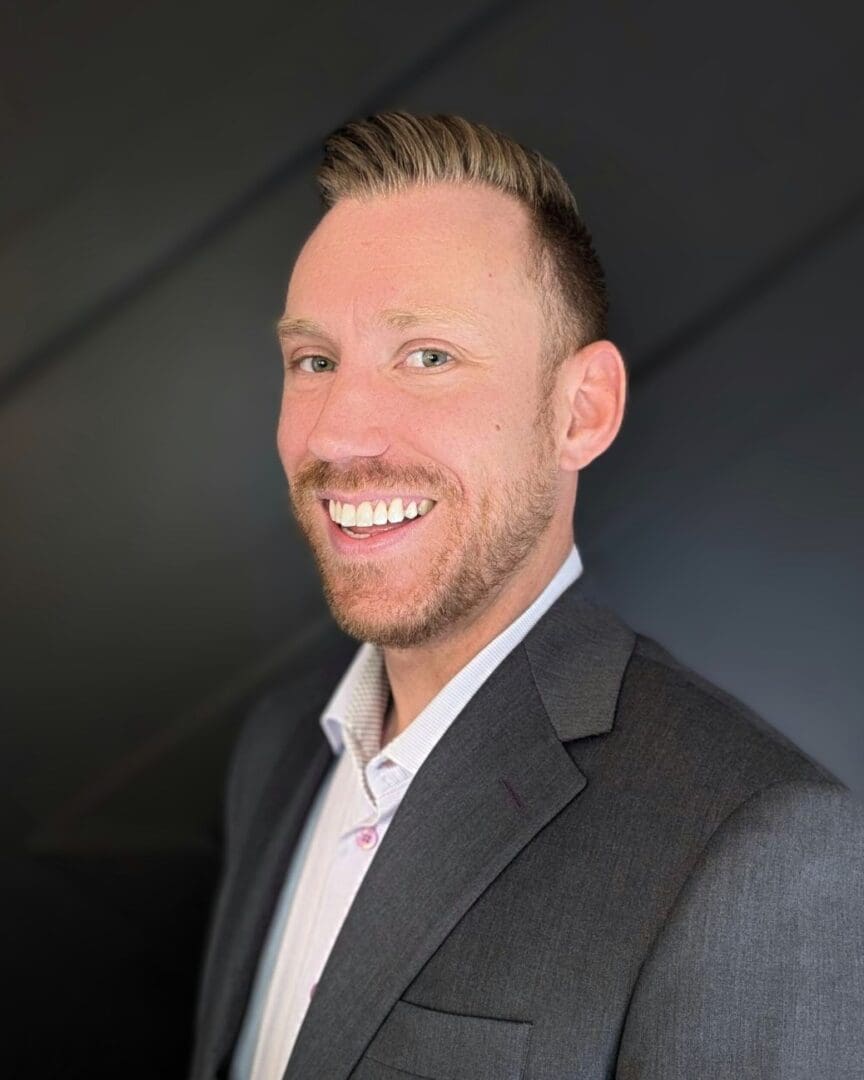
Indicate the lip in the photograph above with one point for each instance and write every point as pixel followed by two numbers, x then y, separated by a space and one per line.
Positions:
pixel 376 543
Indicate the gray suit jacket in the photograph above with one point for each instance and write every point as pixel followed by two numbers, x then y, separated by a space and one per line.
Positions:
pixel 607 867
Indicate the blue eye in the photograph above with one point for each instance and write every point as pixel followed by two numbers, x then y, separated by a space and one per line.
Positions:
pixel 428 358
pixel 314 364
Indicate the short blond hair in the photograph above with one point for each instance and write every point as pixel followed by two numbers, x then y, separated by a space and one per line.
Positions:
pixel 391 151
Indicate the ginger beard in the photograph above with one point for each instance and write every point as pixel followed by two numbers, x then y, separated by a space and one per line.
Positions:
pixel 478 545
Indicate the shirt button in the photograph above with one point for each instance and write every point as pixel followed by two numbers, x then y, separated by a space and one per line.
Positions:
pixel 367 838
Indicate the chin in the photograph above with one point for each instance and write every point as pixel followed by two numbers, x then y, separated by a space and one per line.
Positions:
pixel 364 625
pixel 376 618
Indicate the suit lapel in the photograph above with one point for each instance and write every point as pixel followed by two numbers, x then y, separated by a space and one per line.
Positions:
pixel 497 776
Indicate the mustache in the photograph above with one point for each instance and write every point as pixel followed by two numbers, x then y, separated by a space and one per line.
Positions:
pixel 371 473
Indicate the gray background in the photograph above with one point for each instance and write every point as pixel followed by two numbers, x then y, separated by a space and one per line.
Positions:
pixel 156 183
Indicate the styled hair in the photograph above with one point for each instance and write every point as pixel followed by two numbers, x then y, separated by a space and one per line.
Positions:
pixel 391 151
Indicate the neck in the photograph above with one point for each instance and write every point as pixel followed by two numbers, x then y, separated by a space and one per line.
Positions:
pixel 417 675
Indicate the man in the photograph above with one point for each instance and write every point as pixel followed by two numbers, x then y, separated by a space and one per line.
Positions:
pixel 514 839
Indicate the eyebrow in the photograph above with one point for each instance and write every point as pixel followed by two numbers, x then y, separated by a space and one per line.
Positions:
pixel 291 326
pixel 404 320
pixel 396 318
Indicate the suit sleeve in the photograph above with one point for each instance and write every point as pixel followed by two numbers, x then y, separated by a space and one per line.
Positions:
pixel 758 971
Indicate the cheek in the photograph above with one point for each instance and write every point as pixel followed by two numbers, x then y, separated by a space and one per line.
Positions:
pixel 457 432
pixel 478 440
pixel 496 425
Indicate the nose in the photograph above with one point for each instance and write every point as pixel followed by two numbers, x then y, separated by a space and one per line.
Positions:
pixel 351 421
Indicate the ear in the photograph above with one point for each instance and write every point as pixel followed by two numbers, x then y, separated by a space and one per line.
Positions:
pixel 594 385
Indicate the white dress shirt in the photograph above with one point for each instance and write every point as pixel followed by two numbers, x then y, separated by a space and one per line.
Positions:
pixel 345 827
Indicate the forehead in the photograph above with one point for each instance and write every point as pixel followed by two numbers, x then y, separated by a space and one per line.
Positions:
pixel 440 246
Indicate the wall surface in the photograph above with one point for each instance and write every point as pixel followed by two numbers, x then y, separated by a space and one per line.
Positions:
pixel 156 163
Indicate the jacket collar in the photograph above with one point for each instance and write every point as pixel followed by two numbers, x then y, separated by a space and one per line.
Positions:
pixel 577 654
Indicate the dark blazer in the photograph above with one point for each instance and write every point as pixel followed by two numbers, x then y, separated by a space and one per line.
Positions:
pixel 607 867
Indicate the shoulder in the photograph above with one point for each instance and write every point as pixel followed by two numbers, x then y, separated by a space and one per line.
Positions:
pixel 748 792
pixel 705 733
pixel 758 964
pixel 768 814
pixel 683 756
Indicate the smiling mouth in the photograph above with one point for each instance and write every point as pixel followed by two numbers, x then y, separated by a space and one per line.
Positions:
pixel 365 519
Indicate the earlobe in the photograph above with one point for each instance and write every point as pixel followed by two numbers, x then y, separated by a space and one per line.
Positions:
pixel 596 391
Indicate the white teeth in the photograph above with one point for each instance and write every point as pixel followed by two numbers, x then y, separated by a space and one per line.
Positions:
pixel 365 514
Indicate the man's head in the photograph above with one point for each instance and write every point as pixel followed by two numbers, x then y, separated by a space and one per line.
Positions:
pixel 443 342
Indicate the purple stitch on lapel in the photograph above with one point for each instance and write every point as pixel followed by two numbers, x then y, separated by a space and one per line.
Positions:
pixel 514 798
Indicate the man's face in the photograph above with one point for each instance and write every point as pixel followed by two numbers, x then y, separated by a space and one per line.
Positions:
pixel 412 341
